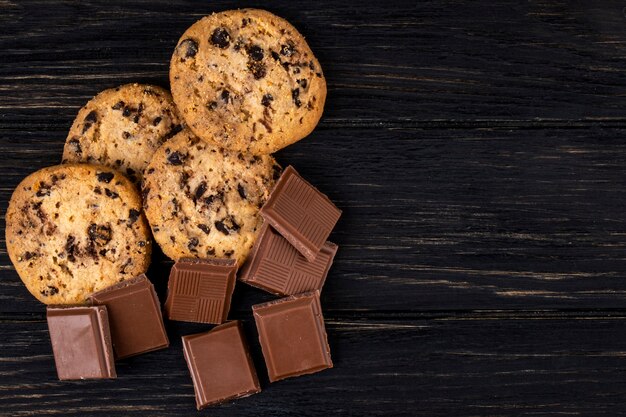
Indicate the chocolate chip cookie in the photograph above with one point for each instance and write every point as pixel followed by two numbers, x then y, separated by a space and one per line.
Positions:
pixel 122 127
pixel 203 201
pixel 247 80
pixel 74 229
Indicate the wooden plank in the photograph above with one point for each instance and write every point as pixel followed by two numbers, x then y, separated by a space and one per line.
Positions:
pixel 395 61
pixel 462 366
pixel 440 220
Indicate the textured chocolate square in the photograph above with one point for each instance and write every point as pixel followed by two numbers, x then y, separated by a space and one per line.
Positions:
pixel 199 290
pixel 81 342
pixel 277 267
pixel 293 336
pixel 220 365
pixel 134 316
pixel 300 213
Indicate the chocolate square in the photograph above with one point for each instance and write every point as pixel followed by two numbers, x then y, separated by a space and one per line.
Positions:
pixel 199 290
pixel 220 365
pixel 293 336
pixel 134 316
pixel 81 342
pixel 299 212
pixel 277 267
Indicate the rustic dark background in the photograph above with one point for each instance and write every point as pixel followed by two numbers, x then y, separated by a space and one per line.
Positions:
pixel 478 150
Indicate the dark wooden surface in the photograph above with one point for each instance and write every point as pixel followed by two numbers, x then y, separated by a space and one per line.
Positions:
pixel 478 150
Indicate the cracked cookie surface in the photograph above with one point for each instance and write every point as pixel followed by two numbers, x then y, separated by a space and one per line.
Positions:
pixel 247 80
pixel 122 127
pixel 203 201
pixel 74 229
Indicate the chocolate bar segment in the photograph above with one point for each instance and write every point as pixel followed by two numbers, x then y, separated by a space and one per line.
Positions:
pixel 134 316
pixel 199 290
pixel 300 213
pixel 81 342
pixel 277 267
pixel 220 365
pixel 293 336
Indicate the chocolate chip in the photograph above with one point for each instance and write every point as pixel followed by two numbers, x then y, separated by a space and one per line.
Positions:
pixel 220 38
pixel 241 191
pixel 267 100
pixel 142 243
pixel 205 228
pixel 193 242
pixel 267 125
pixel 212 198
pixel 126 112
pixel 103 252
pixel 190 47
pixel 212 105
pixel 111 194
pixel 99 234
pixel 255 52
pixel 51 290
pixel 105 177
pixel 258 69
pixel 27 256
pixel 295 95
pixel 133 215
pixel 130 171
pixel 97 190
pixel 175 129
pixel 175 158
pixel 229 253
pixel 40 214
pixel 227 225
pixel 210 251
pixel 70 248
pixel 156 121
pixel 75 144
pixel 275 55
pixel 287 50
pixel 92 117
pixel 199 190
pixel 126 264
pixel 303 83
pixel 225 95
pixel 44 189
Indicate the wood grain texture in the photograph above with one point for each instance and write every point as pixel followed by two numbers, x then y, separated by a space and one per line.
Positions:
pixel 394 61
pixel 462 366
pixel 478 151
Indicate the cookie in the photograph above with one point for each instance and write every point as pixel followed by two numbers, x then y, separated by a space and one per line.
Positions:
pixel 203 201
pixel 74 229
pixel 122 127
pixel 247 80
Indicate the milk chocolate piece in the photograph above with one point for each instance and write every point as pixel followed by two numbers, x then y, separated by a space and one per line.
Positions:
pixel 220 365
pixel 81 342
pixel 199 290
pixel 293 336
pixel 299 212
pixel 277 267
pixel 134 316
